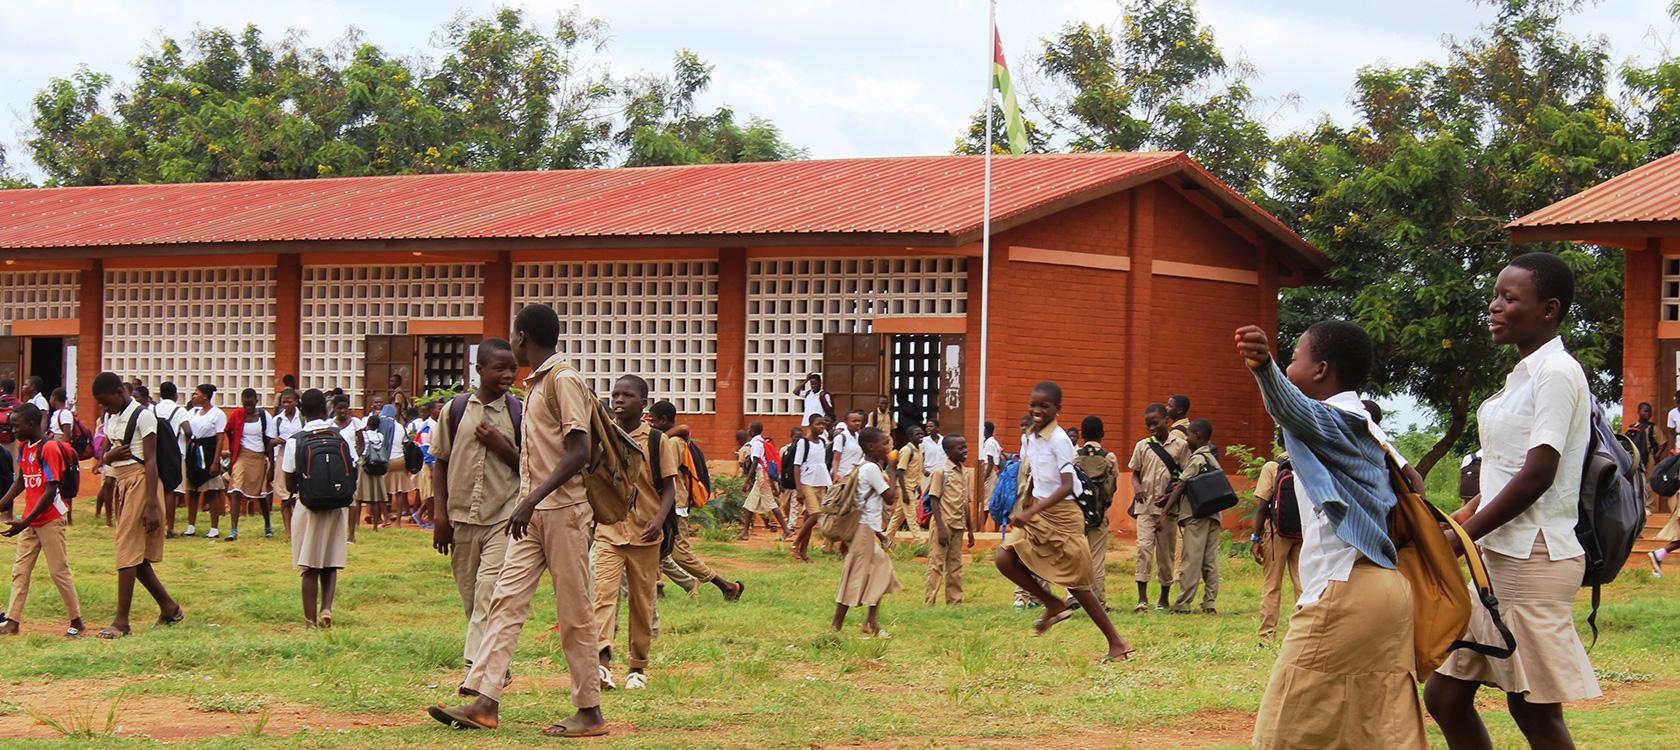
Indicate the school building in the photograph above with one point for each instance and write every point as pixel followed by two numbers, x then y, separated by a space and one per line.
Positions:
pixel 1122 276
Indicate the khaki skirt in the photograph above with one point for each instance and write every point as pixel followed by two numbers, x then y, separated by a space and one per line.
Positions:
pixel 1537 602
pixel 318 537
pixel 867 573
pixel 762 498
pixel 1052 545
pixel 250 476
pixel 134 543
pixel 370 489
pixel 398 480
pixel 1671 530
pixel 423 482
pixel 1345 676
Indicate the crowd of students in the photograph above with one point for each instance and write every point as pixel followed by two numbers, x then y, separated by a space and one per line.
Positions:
pixel 510 488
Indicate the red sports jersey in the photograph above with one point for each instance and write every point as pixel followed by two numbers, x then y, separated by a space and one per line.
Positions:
pixel 39 467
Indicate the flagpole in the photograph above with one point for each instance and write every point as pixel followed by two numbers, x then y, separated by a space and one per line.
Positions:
pixel 986 218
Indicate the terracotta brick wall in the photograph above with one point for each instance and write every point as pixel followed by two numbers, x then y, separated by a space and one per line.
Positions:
pixel 1641 310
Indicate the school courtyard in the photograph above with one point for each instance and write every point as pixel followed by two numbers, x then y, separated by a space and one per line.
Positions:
pixel 762 673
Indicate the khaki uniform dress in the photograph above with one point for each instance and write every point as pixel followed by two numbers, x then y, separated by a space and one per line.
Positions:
pixel 1157 527
pixel 134 543
pixel 623 558
pixel 866 575
pixel 1051 544
pixel 904 512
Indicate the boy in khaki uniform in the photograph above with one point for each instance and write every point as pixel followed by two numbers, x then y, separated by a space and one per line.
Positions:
pixel 475 484
pixel 1276 553
pixel 1201 535
pixel 550 531
pixel 664 418
pixel 909 475
pixel 627 552
pixel 1152 481
pixel 948 493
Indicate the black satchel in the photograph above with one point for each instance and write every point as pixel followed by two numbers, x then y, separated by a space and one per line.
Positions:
pixel 1209 493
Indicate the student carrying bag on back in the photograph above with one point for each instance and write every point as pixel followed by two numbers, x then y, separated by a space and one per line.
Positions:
pixel 326 478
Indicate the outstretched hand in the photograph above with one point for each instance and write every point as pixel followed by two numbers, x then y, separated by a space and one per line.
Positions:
pixel 1254 346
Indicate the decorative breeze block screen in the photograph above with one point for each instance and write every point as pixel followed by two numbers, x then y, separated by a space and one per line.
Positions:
pixel 342 305
pixel 655 319
pixel 38 295
pixel 792 303
pixel 1670 288
pixel 191 326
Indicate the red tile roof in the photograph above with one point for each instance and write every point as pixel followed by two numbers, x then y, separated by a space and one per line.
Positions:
pixel 1620 208
pixel 934 200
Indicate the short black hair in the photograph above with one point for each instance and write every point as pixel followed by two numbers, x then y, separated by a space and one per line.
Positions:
pixel 59 394
pixel 1181 399
pixel 663 410
pixel 1051 389
pixel 166 390
pixel 1346 348
pixel 931 422
pixel 1091 428
pixel 990 428
pixel 1552 278
pixel 248 392
pixel 1374 410
pixel 26 412
pixel 741 436
pixel 36 382
pixel 293 393
pixel 860 412
pixel 871 436
pixel 539 323
pixel 1155 408
pixel 1645 404
pixel 949 443
pixel 289 381
pixel 313 404
pixel 207 389
pixel 491 346
pixel 634 380
pixel 340 398
pixel 141 393
pixel 7 385
pixel 757 428
pixel 1201 427
pixel 103 383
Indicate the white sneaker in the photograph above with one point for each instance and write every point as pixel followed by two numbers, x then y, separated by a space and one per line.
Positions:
pixel 1656 564
pixel 212 533
pixel 606 678
pixel 191 530
pixel 636 681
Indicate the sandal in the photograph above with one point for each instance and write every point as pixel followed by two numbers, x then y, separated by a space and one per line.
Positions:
pixel 453 718
pixel 112 633
pixel 326 618
pixel 566 729
pixel 180 616
pixel 1124 656
pixel 1048 621
pixel 1140 608
pixel 72 632
pixel 740 590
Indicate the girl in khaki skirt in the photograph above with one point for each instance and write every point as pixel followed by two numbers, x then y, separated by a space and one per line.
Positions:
pixel 866 575
pixel 318 536
pixel 251 434
pixel 1046 540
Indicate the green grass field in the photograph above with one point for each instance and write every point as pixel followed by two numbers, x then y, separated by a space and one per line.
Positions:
pixel 243 671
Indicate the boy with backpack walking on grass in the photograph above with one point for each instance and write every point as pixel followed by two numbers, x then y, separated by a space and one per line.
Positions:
pixel 948 498
pixel 1156 464
pixel 44 468
pixel 908 478
pixel 760 490
pixel 814 481
pixel 1102 468
pixel 475 483
pixel 692 492
pixel 1201 534
pixel 320 472
pixel 1276 540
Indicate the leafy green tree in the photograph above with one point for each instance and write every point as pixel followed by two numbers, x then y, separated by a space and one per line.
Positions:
pixel 662 126
pixel 10 178
pixel 973 141
pixel 1410 202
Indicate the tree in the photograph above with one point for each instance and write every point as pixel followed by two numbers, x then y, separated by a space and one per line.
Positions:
pixel 1410 203
pixel 974 140
pixel 662 126
pixel 8 177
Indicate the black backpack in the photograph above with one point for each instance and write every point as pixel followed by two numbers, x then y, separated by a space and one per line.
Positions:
pixel 325 479
pixel 168 452
pixel 790 464
pixel 1665 476
pixel 1286 513
pixel 8 473
pixel 376 464
pixel 413 459
pixel 1097 479
pixel 703 475
pixel 70 484
pixel 1611 511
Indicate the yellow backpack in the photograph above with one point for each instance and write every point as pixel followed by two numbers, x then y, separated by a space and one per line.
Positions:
pixel 615 459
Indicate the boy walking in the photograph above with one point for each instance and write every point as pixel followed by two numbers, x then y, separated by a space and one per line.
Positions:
pixel 1103 468
pixel 40 528
pixel 664 419
pixel 1277 538
pixel 909 476
pixel 814 481
pixel 948 495
pixel 475 483
pixel 1156 463
pixel 1201 535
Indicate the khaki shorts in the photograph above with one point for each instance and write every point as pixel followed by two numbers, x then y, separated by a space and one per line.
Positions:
pixel 813 497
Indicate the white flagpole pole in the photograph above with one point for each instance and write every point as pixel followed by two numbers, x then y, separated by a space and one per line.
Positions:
pixel 986 221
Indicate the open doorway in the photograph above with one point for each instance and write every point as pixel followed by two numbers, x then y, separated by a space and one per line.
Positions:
pixel 915 377
pixel 46 360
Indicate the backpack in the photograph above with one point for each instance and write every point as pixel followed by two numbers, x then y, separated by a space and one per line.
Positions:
pixel 377 463
pixel 325 479
pixel 1612 508
pixel 699 477
pixel 168 452
pixel 840 511
pixel 788 480
pixel 80 438
pixel 413 459
pixel 458 409
pixel 1470 476
pixel 1285 512
pixel 70 484
pixel 1665 476
pixel 1002 501
pixel 668 527
pixel 7 435
pixel 1097 480
pixel 609 477
pixel 8 472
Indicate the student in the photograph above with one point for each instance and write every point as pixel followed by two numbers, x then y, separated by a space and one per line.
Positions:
pixel 32 393
pixel 131 433
pixel 1023 600
pixel 1156 463
pixel 881 418
pixel 1348 653
pixel 991 462
pixel 396 397
pixel 1178 412
pixel 318 537
pixel 39 529
pixel 1277 549
pixel 866 575
pixel 789 499
pixel 202 470
pixel 399 484
pixel 175 415
pixel 1648 437
pixel 418 434
pixel 423 482
pixel 814 481
pixel 847 453
pixel 948 496
pixel 251 435
pixel 288 420
pixel 373 445
pixel 350 428
pixel 1046 530
pixel 1200 567
pixel 909 479
pixel 760 495
pixel 933 448
pixel 62 421
pixel 1107 470
pixel 475 485
pixel 550 532
pixel 817 402
pixel 1534 437
pixel 664 419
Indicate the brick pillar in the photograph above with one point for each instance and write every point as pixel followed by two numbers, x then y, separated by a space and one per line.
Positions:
pixel 1268 298
pixel 498 296
pixel 288 317
pixel 974 430
pixel 730 381
pixel 1140 302
pixel 1641 309
pixel 90 339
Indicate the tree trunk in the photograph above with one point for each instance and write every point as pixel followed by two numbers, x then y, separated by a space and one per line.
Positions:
pixel 1458 414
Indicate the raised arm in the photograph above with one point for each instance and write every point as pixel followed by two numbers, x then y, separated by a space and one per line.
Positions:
pixel 1305 418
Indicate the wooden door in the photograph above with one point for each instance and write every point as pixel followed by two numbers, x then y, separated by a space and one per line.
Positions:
pixel 383 356
pixel 951 394
pixel 1668 380
pixel 11 358
pixel 852 370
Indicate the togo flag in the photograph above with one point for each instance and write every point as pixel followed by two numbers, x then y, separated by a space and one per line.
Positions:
pixel 1012 123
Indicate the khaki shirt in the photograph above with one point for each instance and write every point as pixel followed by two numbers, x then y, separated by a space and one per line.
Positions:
pixel 910 462
pixel 1152 474
pixel 1266 484
pixel 1181 428
pixel 1200 461
pixel 950 484
pixel 545 430
pixel 482 487
pixel 679 446
pixel 628 532
pixel 881 420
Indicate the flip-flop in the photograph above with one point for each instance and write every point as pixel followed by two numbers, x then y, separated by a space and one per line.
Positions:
pixel 326 618
pixel 1124 656
pixel 72 632
pixel 563 729
pixel 1049 621
pixel 740 590
pixel 452 718
pixel 180 617
pixel 111 633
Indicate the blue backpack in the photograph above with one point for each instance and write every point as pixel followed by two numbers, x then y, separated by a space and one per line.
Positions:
pixel 1002 500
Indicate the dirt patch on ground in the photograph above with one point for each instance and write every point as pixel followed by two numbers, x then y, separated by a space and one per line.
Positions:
pixel 87 704
pixel 1202 729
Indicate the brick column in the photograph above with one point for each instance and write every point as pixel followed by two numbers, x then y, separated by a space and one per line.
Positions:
pixel 731 344
pixel 90 339
pixel 288 317
pixel 1140 300
pixel 1641 309
pixel 498 296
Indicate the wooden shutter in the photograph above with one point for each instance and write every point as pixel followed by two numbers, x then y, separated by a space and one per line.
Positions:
pixel 11 358
pixel 382 356
pixel 852 370
pixel 951 395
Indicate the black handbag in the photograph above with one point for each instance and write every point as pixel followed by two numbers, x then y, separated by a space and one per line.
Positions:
pixel 1209 493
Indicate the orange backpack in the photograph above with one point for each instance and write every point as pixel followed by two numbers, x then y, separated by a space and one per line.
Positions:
pixel 699 477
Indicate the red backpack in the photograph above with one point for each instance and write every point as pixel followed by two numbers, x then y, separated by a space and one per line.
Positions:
pixel 81 439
